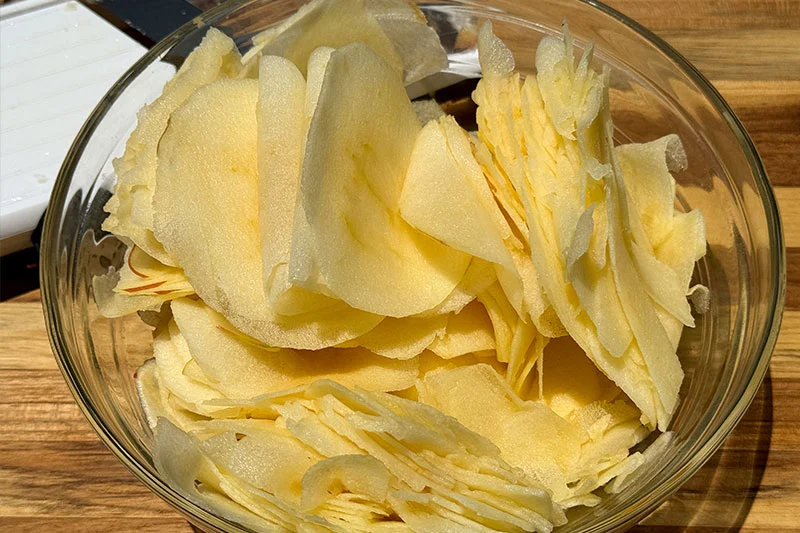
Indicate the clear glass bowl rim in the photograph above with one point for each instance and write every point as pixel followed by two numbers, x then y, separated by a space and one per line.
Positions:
pixel 646 504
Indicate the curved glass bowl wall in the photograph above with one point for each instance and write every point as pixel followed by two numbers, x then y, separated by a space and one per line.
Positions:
pixel 653 92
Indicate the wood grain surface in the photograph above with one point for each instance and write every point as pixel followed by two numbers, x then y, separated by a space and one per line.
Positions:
pixel 55 475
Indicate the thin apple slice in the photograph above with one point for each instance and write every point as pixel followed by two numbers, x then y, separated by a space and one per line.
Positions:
pixel 657 351
pixel 273 461
pixel 359 248
pixel 571 381
pixel 445 195
pixel 245 370
pixel 401 338
pixel 155 400
pixel 171 355
pixel 651 186
pixel 468 331
pixel 479 276
pixel 281 137
pixel 206 212
pixel 178 459
pixel 415 42
pixel 282 126
pixel 130 209
pixel 395 29
pixel 207 217
pixel 142 284
pixel 358 474
pixel 112 304
pixel 530 436
pixel 332 23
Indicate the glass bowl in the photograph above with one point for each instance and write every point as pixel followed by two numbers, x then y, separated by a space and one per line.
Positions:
pixel 654 91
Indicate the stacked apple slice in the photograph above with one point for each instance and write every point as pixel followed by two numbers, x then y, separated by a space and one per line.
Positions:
pixel 364 322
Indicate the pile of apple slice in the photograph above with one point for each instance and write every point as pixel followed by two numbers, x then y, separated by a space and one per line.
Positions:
pixel 364 322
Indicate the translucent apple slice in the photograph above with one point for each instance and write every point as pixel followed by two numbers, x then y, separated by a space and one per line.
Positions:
pixel 468 331
pixel 244 370
pixel 401 338
pixel 142 284
pixel 685 245
pixel 359 248
pixel 172 354
pixel 186 469
pixel 479 276
pixel 529 435
pixel 206 212
pixel 445 195
pixel 130 208
pixel 281 137
pixel 395 29
pixel 283 116
pixel 112 304
pixel 647 169
pixel 272 462
pixel 332 23
pixel 155 400
pixel 658 353
pixel 357 474
pixel 207 216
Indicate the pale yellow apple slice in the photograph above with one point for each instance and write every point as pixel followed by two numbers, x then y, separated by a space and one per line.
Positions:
pixel 656 348
pixel 517 341
pixel 332 23
pixel 571 381
pixel 281 138
pixel 206 210
pixel 358 474
pixel 478 277
pixel 141 284
pixel 359 145
pixel 445 195
pixel 682 248
pixel 155 400
pixel 178 459
pixel 112 304
pixel 206 203
pixel 614 428
pixel 470 393
pixel 395 29
pixel 468 331
pixel 273 461
pixel 430 363
pixel 647 169
pixel 130 209
pixel 283 109
pixel 646 173
pixel 596 287
pixel 401 338
pixel 242 370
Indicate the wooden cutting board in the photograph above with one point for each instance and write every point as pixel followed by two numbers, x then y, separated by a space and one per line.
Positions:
pixel 56 475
